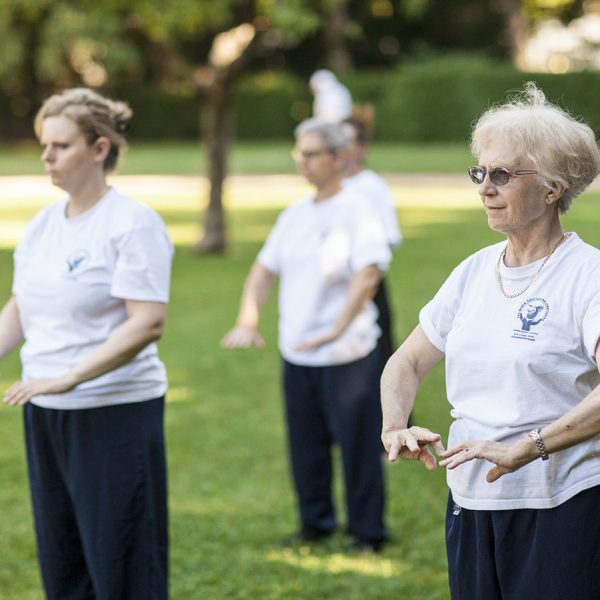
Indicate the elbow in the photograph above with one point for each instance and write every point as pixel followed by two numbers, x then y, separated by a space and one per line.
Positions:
pixel 155 330
pixel 373 278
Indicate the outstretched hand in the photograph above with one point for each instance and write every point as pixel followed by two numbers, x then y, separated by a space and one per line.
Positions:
pixel 504 456
pixel 242 337
pixel 413 444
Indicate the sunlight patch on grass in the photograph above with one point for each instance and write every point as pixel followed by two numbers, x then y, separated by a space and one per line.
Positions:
pixel 337 563
pixel 11 232
pixel 450 196
pixel 184 235
pixel 179 393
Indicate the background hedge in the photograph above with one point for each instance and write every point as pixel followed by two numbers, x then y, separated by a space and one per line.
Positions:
pixel 427 101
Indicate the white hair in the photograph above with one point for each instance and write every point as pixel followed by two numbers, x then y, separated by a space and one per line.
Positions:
pixel 333 135
pixel 563 149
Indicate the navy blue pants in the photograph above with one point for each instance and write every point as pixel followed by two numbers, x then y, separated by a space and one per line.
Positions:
pixel 99 495
pixel 328 405
pixel 385 342
pixel 526 554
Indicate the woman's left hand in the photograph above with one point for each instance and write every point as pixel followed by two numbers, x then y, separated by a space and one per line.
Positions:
pixel 312 345
pixel 504 456
pixel 21 392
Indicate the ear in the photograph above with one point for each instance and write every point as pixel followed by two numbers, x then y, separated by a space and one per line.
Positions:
pixel 555 193
pixel 101 148
pixel 341 159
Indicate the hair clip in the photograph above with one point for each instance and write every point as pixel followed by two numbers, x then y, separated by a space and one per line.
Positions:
pixel 122 126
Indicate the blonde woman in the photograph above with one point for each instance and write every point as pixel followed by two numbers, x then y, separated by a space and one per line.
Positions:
pixel 90 294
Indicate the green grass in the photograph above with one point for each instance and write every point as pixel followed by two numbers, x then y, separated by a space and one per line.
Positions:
pixel 230 496
pixel 187 158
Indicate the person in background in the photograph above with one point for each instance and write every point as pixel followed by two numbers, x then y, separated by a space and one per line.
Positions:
pixel 329 251
pixel 376 191
pixel 333 101
pixel 518 324
pixel 90 294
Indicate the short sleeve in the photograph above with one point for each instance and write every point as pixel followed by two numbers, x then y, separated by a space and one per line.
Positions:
pixel 437 316
pixel 143 267
pixel 591 326
pixel 369 241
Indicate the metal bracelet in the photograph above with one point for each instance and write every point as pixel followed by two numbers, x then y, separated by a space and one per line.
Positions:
pixel 539 442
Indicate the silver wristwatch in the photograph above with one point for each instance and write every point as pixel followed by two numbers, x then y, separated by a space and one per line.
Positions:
pixel 539 442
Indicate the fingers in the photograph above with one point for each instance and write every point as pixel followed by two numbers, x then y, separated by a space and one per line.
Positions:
pixel 495 474
pixel 412 444
pixel 240 337
pixel 18 394
pixel 310 346
pixel 427 458
pixel 458 455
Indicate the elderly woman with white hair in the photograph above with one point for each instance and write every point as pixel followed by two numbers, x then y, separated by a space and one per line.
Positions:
pixel 329 251
pixel 519 325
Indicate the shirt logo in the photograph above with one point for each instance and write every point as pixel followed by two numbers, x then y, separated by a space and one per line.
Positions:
pixel 531 314
pixel 76 259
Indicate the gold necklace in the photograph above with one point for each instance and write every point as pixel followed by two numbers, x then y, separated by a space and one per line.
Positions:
pixel 499 275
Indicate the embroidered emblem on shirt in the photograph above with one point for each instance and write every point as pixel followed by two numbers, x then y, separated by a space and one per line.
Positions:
pixel 531 313
pixel 76 259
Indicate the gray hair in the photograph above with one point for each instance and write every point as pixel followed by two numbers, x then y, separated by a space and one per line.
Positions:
pixel 563 149
pixel 95 115
pixel 332 134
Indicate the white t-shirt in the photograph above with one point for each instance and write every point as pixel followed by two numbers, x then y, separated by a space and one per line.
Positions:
pixel 374 188
pixel 516 364
pixel 72 277
pixel 316 248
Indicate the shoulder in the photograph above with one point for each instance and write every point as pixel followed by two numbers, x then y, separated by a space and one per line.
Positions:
pixel 46 217
pixel 124 214
pixel 584 252
pixel 295 210
pixel 351 199
pixel 583 259
pixel 479 260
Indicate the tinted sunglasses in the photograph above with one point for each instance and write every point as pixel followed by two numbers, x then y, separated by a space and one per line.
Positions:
pixel 498 176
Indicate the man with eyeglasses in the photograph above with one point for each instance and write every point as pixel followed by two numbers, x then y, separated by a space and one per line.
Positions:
pixel 329 251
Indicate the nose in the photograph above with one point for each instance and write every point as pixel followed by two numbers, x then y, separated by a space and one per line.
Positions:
pixel 486 187
pixel 46 155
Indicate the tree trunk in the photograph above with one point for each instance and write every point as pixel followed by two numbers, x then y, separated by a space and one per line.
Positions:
pixel 337 54
pixel 217 121
pixel 514 35
pixel 28 93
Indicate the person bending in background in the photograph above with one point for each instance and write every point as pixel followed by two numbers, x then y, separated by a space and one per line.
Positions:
pixel 333 101
pixel 329 251
pixel 519 326
pixel 90 294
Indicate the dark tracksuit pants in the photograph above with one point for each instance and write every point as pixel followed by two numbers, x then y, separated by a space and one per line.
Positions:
pixel 99 495
pixel 525 554
pixel 337 404
pixel 384 320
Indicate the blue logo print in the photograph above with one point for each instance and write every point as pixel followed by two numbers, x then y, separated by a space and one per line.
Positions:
pixel 531 314
pixel 76 259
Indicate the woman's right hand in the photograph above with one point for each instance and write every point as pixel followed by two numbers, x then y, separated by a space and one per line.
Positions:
pixel 413 444
pixel 242 337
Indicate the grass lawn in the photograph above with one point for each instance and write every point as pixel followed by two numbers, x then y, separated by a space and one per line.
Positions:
pixel 187 158
pixel 230 497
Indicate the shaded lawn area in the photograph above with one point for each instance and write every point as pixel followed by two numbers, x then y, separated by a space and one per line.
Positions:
pixel 187 158
pixel 230 498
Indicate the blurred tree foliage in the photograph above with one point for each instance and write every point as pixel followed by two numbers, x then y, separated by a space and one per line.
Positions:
pixel 201 48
